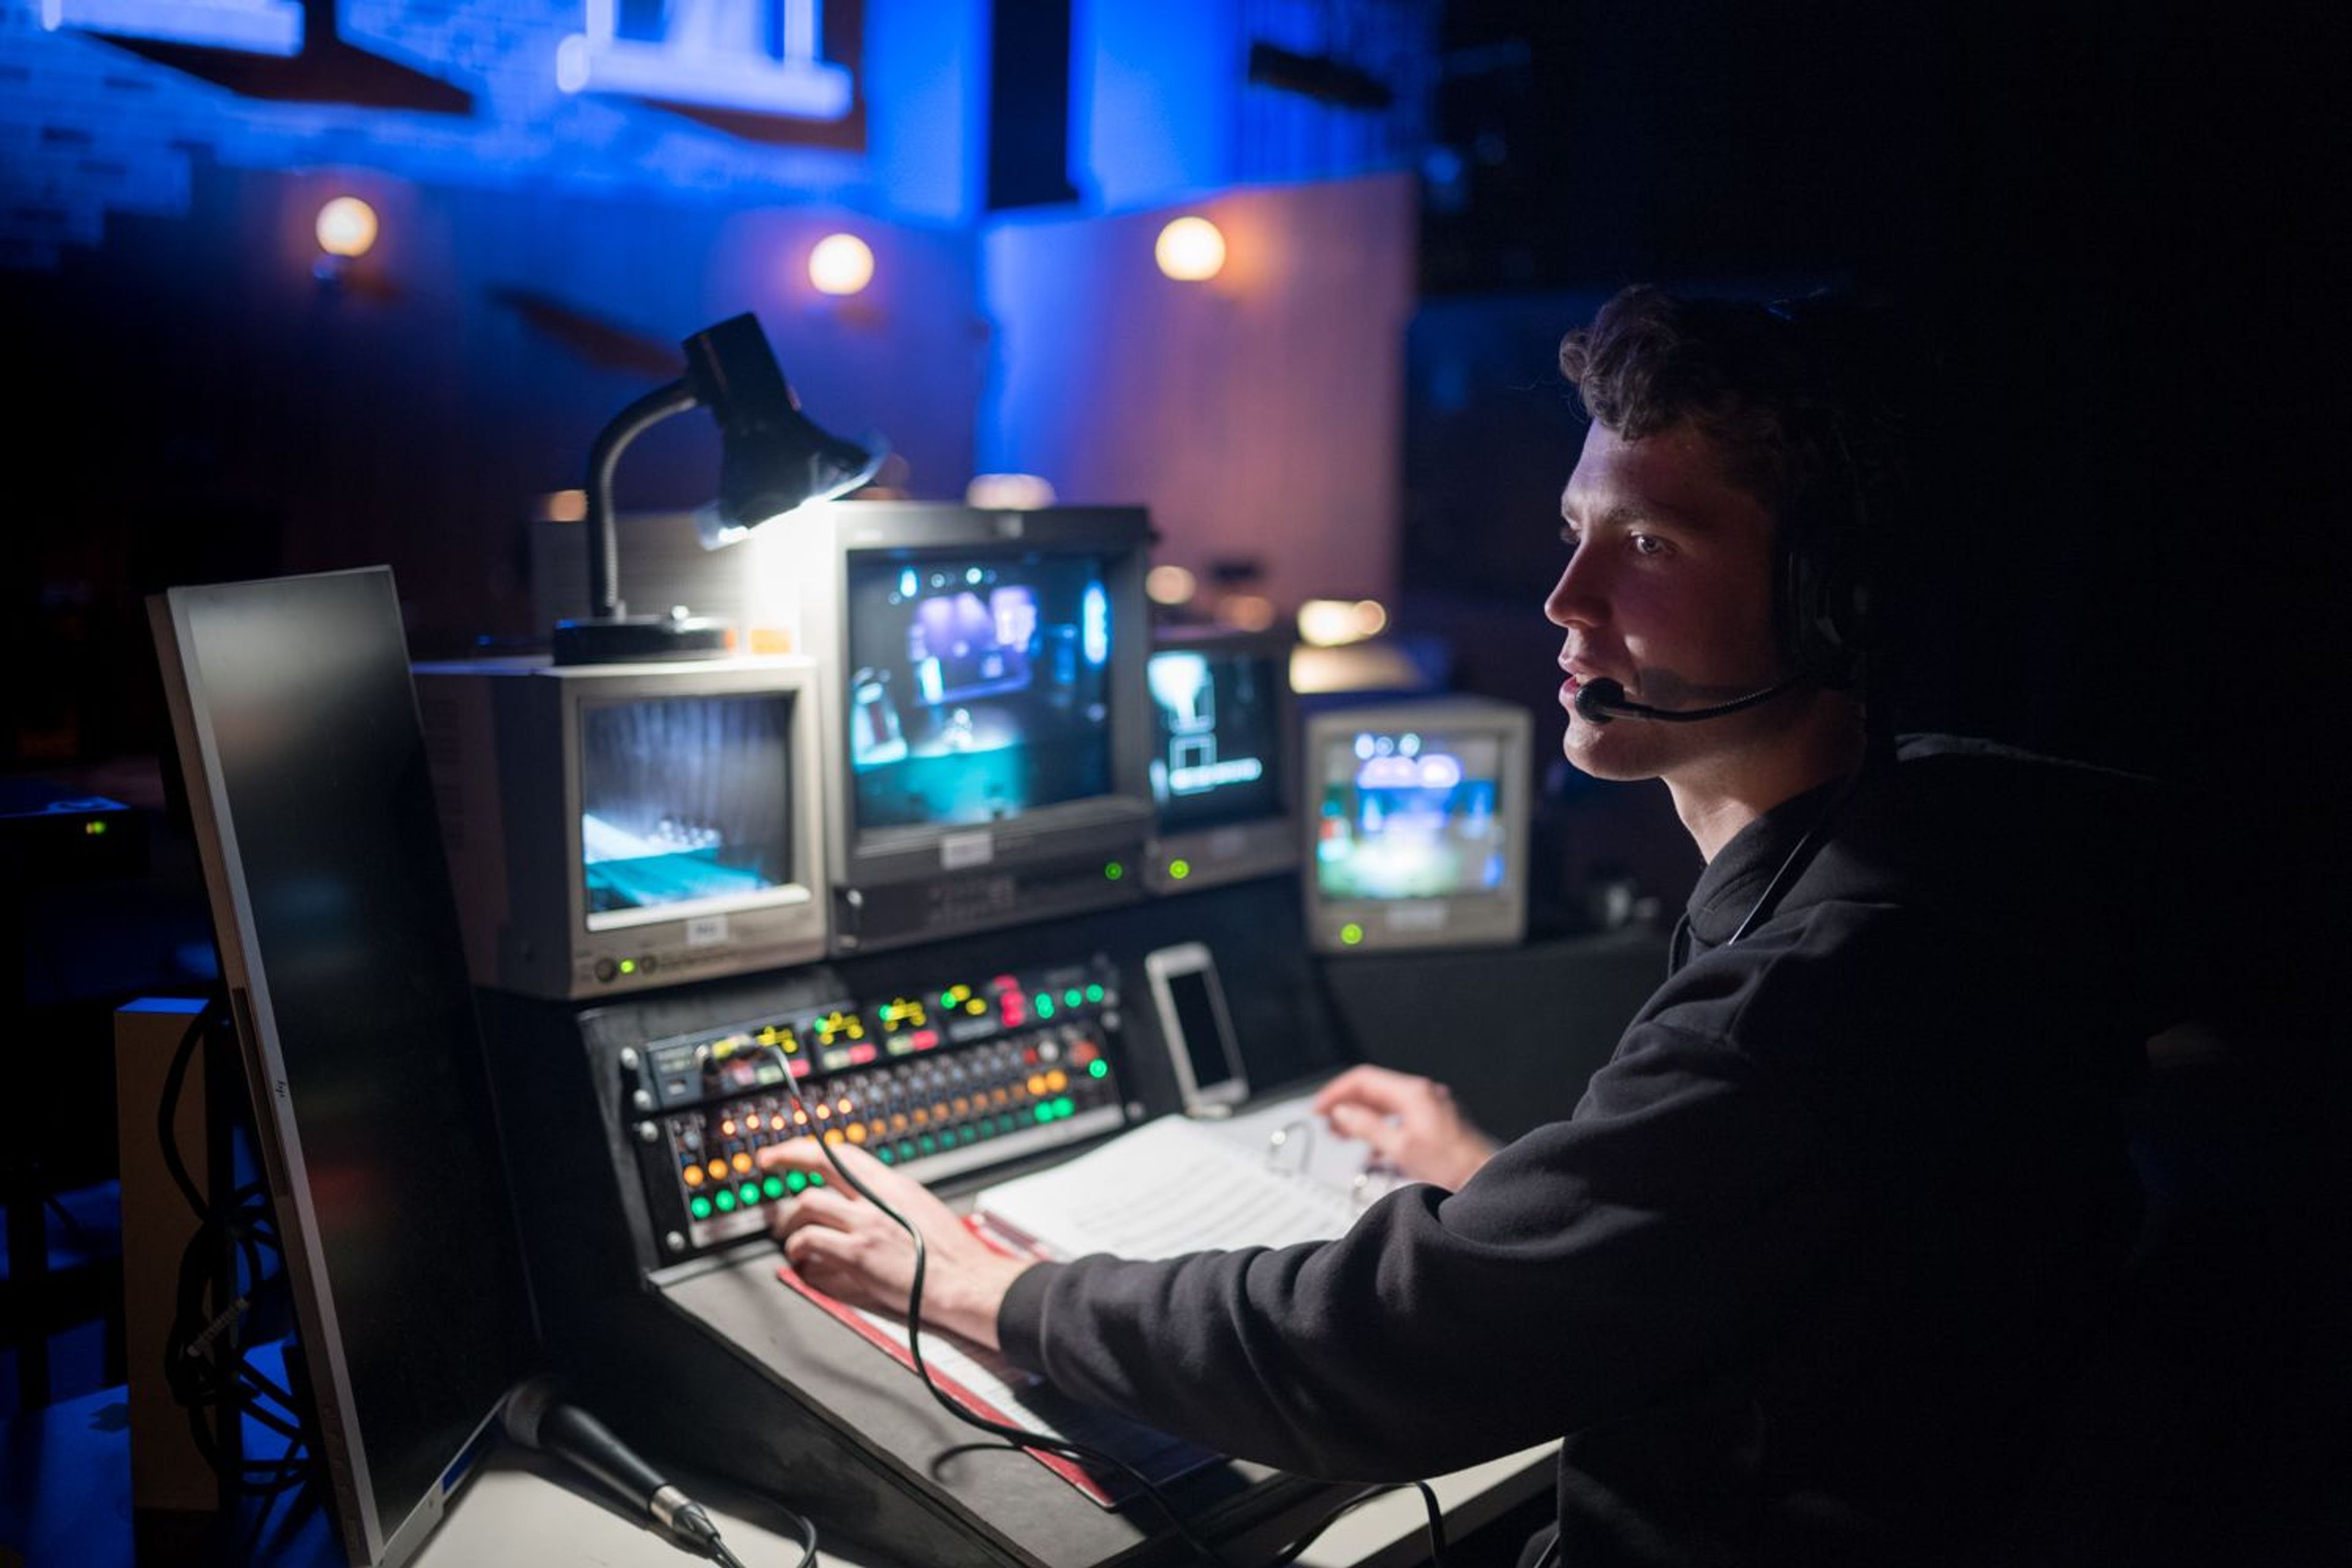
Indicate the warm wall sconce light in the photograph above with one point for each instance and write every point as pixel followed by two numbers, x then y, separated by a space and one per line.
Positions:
pixel 772 458
pixel 841 264
pixel 347 227
pixel 1170 585
pixel 1009 493
pixel 1191 250
pixel 1335 623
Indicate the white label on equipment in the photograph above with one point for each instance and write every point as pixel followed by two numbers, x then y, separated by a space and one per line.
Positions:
pixel 706 930
pixel 1422 915
pixel 961 851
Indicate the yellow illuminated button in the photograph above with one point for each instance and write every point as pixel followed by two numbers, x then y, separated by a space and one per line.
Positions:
pixel 921 1116
pixel 718 1170
pixel 1057 1080
pixel 858 1133
pixel 875 1129
pixel 1036 1083
pixel 833 1136
pixel 898 1121
pixel 743 1162
pixel 693 1174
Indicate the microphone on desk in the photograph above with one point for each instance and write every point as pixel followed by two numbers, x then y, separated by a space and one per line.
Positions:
pixel 536 1418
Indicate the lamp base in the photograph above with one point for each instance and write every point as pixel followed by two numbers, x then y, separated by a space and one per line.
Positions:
pixel 639 639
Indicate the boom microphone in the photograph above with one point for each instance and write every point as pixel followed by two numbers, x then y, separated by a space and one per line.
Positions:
pixel 535 1419
pixel 1601 699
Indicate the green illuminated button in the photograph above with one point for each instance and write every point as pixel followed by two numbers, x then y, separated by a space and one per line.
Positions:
pixel 984 1128
pixel 1351 933
pixel 906 1148
pixel 773 1187
pixel 1045 1002
pixel 1073 996
pixel 1044 1110
pixel 1094 992
pixel 699 1207
pixel 1179 869
pixel 1114 871
pixel 726 1200
pixel 1004 1121
pixel 816 1178
pixel 794 1181
pixel 749 1193
pixel 930 1145
pixel 882 1152
pixel 1063 1107
pixel 1098 1068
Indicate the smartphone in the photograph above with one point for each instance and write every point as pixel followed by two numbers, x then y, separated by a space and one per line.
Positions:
pixel 1196 1025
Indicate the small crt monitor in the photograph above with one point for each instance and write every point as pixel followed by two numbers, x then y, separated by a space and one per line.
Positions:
pixel 1417 824
pixel 1223 765
pixel 990 727
pixel 617 827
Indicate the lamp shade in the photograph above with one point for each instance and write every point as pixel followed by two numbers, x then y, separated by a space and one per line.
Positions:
pixel 772 458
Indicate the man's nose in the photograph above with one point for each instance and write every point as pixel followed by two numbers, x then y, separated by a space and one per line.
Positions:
pixel 1578 599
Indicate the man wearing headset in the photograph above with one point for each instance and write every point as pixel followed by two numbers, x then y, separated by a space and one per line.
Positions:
pixel 1802 1276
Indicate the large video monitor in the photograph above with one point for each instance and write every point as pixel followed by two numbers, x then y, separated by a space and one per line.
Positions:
pixel 299 741
pixel 989 724
pixel 616 827
pixel 1417 823
pixel 1222 762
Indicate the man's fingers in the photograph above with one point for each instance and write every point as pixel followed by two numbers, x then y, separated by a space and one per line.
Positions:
pixel 1352 1120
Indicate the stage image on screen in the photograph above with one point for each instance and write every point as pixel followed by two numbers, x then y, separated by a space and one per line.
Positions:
pixel 979 688
pixel 1409 816
pixel 684 801
pixel 1217 757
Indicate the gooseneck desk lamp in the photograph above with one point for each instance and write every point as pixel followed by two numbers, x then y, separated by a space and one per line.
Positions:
pixel 772 458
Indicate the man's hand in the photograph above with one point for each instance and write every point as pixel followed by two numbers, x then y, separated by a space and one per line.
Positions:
pixel 844 1247
pixel 1411 1123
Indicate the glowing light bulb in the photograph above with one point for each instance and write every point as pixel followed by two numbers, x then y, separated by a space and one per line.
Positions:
pixel 840 264
pixel 1191 250
pixel 346 227
pixel 1170 584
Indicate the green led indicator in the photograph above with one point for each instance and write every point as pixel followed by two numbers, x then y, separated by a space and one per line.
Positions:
pixel 1044 1004
pixel 1179 869
pixel 699 1207
pixel 906 1150
pixel 882 1152
pixel 628 966
pixel 1004 1121
pixel 1114 871
pixel 795 1182
pixel 773 1187
pixel 1045 1112
pixel 947 999
pixel 749 1193
pixel 930 1145
pixel 816 1178
pixel 94 829
pixel 1073 996
pixel 1098 1068
pixel 1065 1107
pixel 1351 933
pixel 1094 992
pixel 726 1200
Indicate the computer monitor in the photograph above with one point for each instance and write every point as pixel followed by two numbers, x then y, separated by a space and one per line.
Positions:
pixel 1417 824
pixel 1222 766
pixel 298 737
pixel 988 724
pixel 615 827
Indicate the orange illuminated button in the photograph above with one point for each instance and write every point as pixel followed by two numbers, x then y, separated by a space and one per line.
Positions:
pixel 857 1132
pixel 693 1175
pixel 743 1163
pixel 718 1169
pixel 833 1136
pixel 1057 1080
pixel 1036 1083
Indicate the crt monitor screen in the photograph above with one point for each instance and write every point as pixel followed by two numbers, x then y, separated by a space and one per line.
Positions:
pixel 685 806
pixel 979 687
pixel 1409 814
pixel 1218 754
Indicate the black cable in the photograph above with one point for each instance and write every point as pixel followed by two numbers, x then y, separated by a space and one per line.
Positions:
pixel 1020 1437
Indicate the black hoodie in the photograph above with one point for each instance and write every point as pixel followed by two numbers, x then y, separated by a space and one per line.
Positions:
pixel 1798 1279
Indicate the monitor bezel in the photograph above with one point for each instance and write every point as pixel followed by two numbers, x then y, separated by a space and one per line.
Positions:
pixel 1069 833
pixel 1232 851
pixel 1484 917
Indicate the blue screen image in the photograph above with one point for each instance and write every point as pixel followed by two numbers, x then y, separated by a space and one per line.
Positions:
pixel 979 687
pixel 1409 816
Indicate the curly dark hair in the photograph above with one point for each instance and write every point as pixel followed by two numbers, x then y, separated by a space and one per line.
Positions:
pixel 1749 376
